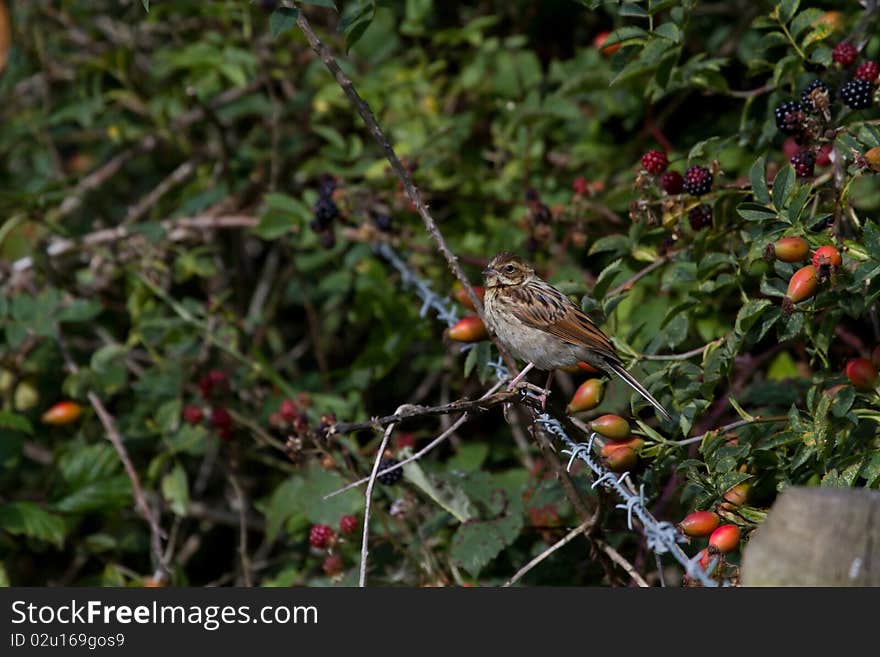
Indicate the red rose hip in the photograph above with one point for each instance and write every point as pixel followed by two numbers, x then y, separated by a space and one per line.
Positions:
pixel 700 523
pixel 725 539
pixel 861 373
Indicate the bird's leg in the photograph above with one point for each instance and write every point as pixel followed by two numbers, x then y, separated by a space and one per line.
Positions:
pixel 543 397
pixel 519 377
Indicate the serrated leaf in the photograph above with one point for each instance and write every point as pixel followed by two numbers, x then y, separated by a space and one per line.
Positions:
pixel 28 519
pixel 749 314
pixel 282 20
pixel 787 9
pixel 477 542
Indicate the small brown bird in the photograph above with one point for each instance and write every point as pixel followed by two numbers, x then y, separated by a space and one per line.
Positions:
pixel 540 325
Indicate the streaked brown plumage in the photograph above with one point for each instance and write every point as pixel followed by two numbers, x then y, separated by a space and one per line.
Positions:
pixel 539 324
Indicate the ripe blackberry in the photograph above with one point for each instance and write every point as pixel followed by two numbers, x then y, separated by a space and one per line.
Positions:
pixel 857 94
pixel 325 211
pixel 700 217
pixel 320 535
pixel 844 53
pixel 390 478
pixel 816 96
pixel 868 71
pixel 790 117
pixel 655 162
pixel 803 161
pixel 671 182
pixel 697 181
pixel 383 222
pixel 327 186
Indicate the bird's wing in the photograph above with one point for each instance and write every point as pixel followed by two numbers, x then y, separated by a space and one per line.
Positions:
pixel 543 307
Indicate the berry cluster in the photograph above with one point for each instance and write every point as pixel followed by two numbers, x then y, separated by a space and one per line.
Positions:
pixel 790 117
pixel 655 162
pixel 325 212
pixel 844 53
pixel 213 386
pixel 803 162
pixel 700 217
pixel 816 96
pixel 389 478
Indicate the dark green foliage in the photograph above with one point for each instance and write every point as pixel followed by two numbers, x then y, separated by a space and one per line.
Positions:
pixel 187 190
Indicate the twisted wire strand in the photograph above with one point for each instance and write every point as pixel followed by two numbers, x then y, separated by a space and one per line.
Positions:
pixel 661 536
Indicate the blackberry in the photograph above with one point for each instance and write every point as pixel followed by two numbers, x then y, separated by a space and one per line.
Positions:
pixel 789 117
pixel 389 478
pixel 580 186
pixel 700 217
pixel 844 53
pixel 697 181
pixel 868 71
pixel 655 162
pixel 348 524
pixel 803 161
pixel 383 222
pixel 856 94
pixel 325 210
pixel 816 96
pixel 671 182
pixel 327 186
pixel 320 535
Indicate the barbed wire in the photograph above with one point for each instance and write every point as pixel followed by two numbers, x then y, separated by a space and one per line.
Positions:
pixel 661 537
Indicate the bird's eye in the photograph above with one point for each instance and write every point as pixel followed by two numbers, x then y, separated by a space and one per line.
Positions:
pixel 510 269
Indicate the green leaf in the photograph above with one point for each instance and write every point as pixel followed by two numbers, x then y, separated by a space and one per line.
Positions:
pixel 477 542
pixel 758 178
pixel 175 490
pixel 107 495
pixel 28 519
pixel 755 212
pixel 787 9
pixel 804 20
pixel 782 186
pixel 15 422
pixel 79 310
pixel 282 20
pixel 749 314
pixel 146 4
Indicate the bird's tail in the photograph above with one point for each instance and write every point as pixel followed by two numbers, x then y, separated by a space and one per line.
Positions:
pixel 631 381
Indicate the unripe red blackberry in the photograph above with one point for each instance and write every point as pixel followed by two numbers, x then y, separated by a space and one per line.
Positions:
pixel 844 53
pixel 220 418
pixel 857 94
pixel 288 410
pixel 697 181
pixel 348 524
pixel 803 161
pixel 816 96
pixel 389 478
pixel 823 156
pixel 192 414
pixel 655 161
pixel 700 217
pixel 790 117
pixel 580 186
pixel 332 565
pixel 868 71
pixel 320 535
pixel 672 182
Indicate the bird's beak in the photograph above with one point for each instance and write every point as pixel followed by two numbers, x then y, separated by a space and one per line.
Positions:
pixel 488 271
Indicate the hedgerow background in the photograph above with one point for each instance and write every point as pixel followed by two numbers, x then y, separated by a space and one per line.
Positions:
pixel 189 208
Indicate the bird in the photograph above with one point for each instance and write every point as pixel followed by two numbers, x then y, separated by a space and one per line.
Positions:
pixel 540 325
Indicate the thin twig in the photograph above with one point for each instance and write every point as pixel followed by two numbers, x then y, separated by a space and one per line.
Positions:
pixel 729 427
pixel 362 578
pixel 109 424
pixel 172 180
pixel 682 356
pixel 617 558
pixel 424 450
pixel 242 530
pixel 628 283
pixel 363 109
pixel 570 536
